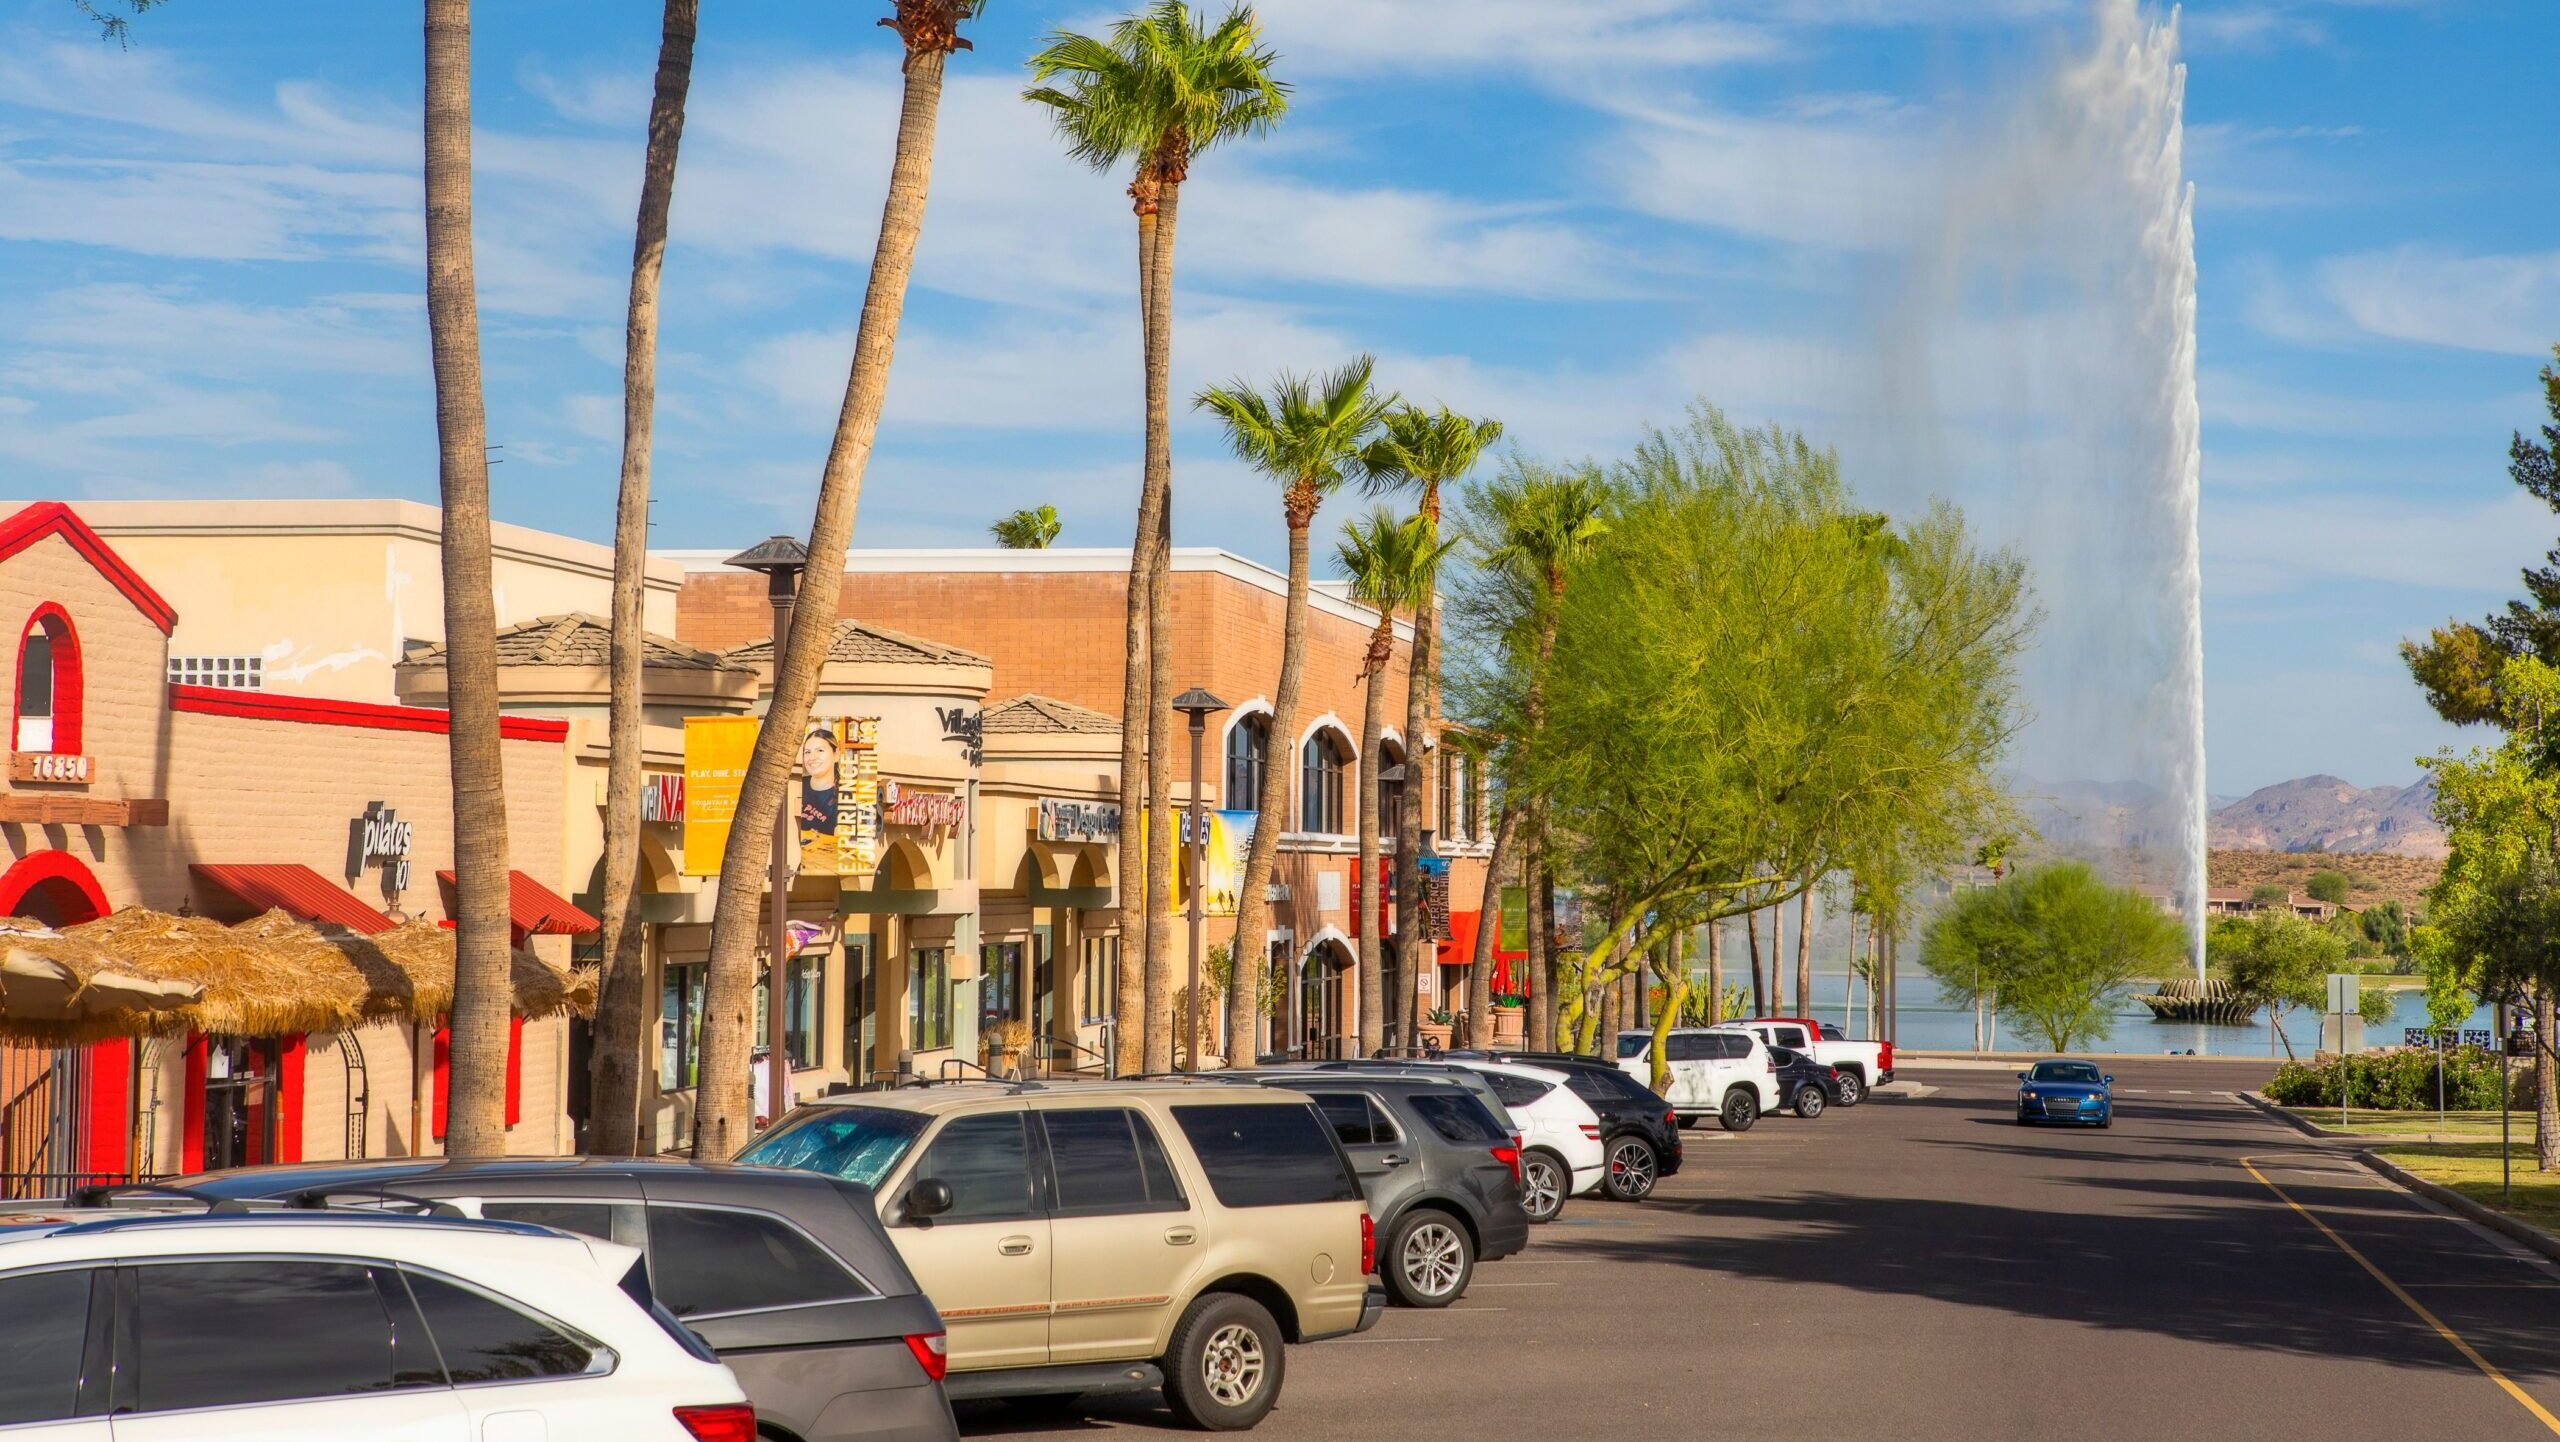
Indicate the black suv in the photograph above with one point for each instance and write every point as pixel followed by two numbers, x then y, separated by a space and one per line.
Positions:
pixel 786 1274
pixel 1442 1177
pixel 1639 1132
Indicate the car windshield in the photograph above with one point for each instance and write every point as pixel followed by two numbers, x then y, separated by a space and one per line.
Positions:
pixel 1633 1044
pixel 2064 1071
pixel 859 1144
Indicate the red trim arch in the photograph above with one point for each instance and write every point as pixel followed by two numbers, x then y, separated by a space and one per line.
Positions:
pixel 49 866
pixel 67 686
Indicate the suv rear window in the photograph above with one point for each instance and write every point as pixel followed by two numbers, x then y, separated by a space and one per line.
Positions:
pixel 1607 1088
pixel 1518 1091
pixel 1458 1118
pixel 1632 1044
pixel 1266 1156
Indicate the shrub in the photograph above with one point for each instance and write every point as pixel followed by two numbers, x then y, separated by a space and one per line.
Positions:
pixel 2400 1079
pixel 2329 886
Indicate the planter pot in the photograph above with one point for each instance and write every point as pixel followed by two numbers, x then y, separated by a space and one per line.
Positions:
pixel 1510 1024
pixel 1435 1036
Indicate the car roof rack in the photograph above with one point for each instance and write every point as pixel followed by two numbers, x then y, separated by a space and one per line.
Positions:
pixel 108 1194
pixel 317 1199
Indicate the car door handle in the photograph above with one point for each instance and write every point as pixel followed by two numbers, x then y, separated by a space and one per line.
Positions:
pixel 1391 1159
pixel 1015 1246
pixel 1181 1236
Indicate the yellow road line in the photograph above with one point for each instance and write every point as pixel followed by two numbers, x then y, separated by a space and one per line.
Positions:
pixel 2523 1399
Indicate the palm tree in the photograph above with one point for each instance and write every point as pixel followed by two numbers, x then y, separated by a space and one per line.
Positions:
pixel 1391 565
pixel 930 30
pixel 1545 524
pixel 476 1114
pixel 1159 91
pixel 1489 910
pixel 1307 434
pixel 613 1127
pixel 1422 450
pixel 1031 529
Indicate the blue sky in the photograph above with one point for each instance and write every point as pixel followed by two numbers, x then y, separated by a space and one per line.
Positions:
pixel 209 275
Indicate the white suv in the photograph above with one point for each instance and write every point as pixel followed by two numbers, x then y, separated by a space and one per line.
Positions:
pixel 287 1325
pixel 1560 1150
pixel 1728 1075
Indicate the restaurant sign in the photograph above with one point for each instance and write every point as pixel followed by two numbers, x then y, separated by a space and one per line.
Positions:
pixel 906 806
pixel 1065 820
pixel 662 798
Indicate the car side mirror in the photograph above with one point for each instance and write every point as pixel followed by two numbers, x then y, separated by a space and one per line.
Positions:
pixel 2108 1079
pixel 928 1199
pixel 2022 1076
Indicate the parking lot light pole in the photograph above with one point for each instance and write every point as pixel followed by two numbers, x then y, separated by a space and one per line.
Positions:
pixel 1197 704
pixel 782 560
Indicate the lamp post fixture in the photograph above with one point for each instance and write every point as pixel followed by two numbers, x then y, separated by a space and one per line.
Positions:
pixel 1197 704
pixel 782 560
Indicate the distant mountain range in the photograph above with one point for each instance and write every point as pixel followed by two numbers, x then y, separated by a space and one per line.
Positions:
pixel 2323 813
pixel 2313 813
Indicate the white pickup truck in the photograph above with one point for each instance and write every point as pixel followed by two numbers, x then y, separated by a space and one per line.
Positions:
pixel 1863 1065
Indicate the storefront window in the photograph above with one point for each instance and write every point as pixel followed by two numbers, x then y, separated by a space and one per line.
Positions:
pixel 799 1013
pixel 1320 784
pixel 1100 988
pixel 929 998
pixel 999 983
pixel 680 1029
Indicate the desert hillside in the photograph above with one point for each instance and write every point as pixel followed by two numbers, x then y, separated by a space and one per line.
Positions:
pixel 2323 813
pixel 2371 876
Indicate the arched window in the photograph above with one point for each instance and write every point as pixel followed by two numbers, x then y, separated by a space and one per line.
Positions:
pixel 48 700
pixel 1321 765
pixel 1248 758
pixel 1390 789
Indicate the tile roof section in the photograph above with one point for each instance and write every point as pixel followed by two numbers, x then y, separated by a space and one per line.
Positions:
pixel 1029 715
pixel 856 641
pixel 578 639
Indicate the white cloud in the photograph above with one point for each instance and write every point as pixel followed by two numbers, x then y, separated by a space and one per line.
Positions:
pixel 2504 303
pixel 176 332
pixel 1856 181
pixel 2259 546
pixel 1366 37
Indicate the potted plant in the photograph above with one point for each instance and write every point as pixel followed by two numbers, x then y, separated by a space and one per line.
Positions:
pixel 1438 1025
pixel 1510 1020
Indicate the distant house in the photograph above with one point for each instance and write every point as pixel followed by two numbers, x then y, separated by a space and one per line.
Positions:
pixel 2243 903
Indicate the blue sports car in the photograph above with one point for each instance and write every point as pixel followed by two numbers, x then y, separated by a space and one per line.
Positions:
pixel 2065 1091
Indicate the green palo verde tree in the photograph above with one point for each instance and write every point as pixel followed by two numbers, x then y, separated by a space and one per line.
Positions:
pixel 929 31
pixel 1307 434
pixel 1390 563
pixel 2277 960
pixel 2497 903
pixel 1748 689
pixel 2051 948
pixel 1157 91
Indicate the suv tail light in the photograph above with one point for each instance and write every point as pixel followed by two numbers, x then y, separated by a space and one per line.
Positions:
pixel 1884 1061
pixel 1671 1118
pixel 1769 1062
pixel 733 1423
pixel 1591 1130
pixel 1368 1245
pixel 932 1351
pixel 1509 1157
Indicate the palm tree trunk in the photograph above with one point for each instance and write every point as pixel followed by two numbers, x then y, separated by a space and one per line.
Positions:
pixel 1373 949
pixel 1252 926
pixel 1759 982
pixel 483 985
pixel 1161 965
pixel 1421 760
pixel 1538 1021
pixel 1551 975
pixel 1129 1033
pixel 721 1104
pixel 1488 927
pixel 2546 1085
pixel 1804 953
pixel 613 1127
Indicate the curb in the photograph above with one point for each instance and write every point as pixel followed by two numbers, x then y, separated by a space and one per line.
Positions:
pixel 2452 1201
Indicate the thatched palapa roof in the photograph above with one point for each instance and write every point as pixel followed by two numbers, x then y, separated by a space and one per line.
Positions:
pixel 145 973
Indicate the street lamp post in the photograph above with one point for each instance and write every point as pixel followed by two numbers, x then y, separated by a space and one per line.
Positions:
pixel 1196 704
pixel 782 560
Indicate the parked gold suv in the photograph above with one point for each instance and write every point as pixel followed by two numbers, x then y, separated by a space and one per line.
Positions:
pixel 1109 1237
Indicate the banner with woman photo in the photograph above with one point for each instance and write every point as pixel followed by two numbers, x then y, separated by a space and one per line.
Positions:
pixel 839 812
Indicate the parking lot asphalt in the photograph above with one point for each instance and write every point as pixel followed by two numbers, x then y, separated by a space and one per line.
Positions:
pixel 1921 1268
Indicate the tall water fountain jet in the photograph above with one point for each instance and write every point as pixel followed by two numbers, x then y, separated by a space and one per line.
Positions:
pixel 2051 303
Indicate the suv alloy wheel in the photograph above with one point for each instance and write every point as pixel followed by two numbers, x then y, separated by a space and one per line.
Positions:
pixel 1431 1259
pixel 1632 1169
pixel 1853 1089
pixel 1741 1109
pixel 1544 1181
pixel 1223 1372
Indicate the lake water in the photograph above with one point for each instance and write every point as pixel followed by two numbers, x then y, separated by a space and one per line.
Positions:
pixel 1928 1023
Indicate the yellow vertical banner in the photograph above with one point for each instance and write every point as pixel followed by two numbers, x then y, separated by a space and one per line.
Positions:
pixel 716 749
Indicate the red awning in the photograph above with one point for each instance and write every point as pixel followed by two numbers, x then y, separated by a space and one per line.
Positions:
pixel 533 908
pixel 295 890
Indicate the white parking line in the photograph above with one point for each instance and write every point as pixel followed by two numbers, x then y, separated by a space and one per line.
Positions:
pixel 1480 1286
